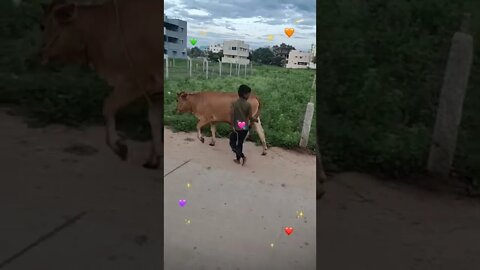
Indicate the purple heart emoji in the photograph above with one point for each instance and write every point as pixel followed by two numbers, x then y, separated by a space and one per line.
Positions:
pixel 182 203
pixel 241 124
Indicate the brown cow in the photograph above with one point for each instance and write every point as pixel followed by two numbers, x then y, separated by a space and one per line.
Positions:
pixel 122 40
pixel 215 107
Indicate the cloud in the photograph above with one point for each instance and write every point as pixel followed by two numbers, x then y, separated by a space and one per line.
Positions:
pixel 249 20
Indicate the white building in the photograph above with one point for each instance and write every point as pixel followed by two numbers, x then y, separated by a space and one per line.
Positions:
pixel 215 48
pixel 298 59
pixel 235 51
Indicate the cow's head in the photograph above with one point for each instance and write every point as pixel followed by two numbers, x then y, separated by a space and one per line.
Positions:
pixel 62 36
pixel 183 103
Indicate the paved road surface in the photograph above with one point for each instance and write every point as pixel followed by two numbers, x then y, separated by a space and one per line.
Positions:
pixel 48 176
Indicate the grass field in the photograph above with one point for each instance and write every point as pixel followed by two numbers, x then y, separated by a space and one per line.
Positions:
pixel 284 94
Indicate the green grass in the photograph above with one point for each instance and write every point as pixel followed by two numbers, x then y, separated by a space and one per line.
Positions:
pixel 284 94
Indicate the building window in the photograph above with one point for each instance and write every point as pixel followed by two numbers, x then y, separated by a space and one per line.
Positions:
pixel 165 51
pixel 234 48
pixel 174 52
pixel 183 53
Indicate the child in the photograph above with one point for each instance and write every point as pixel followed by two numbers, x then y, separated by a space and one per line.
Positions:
pixel 241 116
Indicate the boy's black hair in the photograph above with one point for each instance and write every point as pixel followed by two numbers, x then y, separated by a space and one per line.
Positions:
pixel 243 89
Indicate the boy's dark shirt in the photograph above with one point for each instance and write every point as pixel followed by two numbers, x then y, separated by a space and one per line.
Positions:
pixel 241 111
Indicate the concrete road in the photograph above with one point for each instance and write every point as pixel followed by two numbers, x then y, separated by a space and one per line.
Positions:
pixel 237 212
pixel 50 175
pixel 365 223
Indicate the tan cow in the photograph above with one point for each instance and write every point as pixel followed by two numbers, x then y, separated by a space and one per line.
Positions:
pixel 122 40
pixel 215 107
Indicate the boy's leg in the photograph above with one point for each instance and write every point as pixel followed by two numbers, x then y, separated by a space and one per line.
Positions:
pixel 242 135
pixel 233 141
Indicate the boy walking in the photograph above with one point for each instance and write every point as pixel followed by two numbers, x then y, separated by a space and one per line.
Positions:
pixel 241 117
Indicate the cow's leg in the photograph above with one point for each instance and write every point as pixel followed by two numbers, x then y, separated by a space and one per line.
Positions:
pixel 120 97
pixel 261 134
pixel 155 117
pixel 202 122
pixel 213 128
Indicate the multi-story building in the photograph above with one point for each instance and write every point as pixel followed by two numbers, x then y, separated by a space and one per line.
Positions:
pixel 175 37
pixel 313 53
pixel 298 59
pixel 235 51
pixel 215 48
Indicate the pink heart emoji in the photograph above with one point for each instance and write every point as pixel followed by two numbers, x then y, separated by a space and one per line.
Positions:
pixel 241 124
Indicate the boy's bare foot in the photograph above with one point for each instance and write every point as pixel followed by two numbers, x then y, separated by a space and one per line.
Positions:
pixel 236 161
pixel 244 159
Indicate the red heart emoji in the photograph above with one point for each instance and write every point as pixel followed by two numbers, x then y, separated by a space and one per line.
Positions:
pixel 288 230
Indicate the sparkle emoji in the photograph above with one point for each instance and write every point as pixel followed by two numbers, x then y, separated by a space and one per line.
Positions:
pixel 299 20
pixel 189 185
pixel 289 32
pixel 299 214
pixel 271 245
pixel 187 221
pixel 270 37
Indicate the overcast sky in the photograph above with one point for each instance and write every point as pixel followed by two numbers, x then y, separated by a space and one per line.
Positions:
pixel 249 20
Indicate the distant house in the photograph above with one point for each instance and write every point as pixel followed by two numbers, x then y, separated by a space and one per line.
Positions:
pixel 175 37
pixel 215 48
pixel 235 51
pixel 298 59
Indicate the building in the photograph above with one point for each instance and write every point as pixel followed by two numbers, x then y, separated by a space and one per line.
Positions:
pixel 298 59
pixel 215 48
pixel 175 37
pixel 313 53
pixel 235 51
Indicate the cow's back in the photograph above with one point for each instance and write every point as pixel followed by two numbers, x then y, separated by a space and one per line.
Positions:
pixel 126 38
pixel 216 106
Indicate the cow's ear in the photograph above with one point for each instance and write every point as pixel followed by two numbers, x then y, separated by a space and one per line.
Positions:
pixel 65 13
pixel 184 96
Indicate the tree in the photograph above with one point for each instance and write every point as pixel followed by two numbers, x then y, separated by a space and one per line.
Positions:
pixel 262 56
pixel 215 56
pixel 195 52
pixel 283 50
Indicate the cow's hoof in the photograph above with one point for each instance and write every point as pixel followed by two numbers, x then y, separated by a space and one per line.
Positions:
pixel 202 139
pixel 212 144
pixel 264 153
pixel 122 150
pixel 151 166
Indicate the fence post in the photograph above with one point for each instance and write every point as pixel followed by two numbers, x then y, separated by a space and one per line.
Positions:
pixel 173 62
pixel 166 66
pixel 307 123
pixel 246 65
pixel 450 106
pixel 190 66
pixel 219 67
pixel 238 70
pixel 314 80
pixel 251 68
pixel 230 68
pixel 206 63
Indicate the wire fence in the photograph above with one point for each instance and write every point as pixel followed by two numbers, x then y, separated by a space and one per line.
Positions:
pixel 203 68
